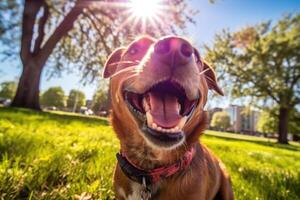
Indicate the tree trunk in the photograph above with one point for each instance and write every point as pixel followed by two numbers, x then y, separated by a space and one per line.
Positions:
pixel 34 59
pixel 27 95
pixel 283 125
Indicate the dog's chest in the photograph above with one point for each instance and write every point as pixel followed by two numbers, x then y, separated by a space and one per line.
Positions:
pixel 135 194
pixel 136 191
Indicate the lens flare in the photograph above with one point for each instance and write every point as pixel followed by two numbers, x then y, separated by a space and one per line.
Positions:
pixel 142 15
pixel 145 8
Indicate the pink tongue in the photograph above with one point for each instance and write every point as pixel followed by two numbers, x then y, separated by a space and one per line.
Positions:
pixel 164 110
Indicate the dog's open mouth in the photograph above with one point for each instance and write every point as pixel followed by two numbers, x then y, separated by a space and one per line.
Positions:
pixel 164 109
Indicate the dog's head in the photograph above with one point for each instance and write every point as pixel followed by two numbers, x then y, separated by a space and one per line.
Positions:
pixel 158 91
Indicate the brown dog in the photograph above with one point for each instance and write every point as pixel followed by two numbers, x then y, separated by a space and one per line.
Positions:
pixel 158 91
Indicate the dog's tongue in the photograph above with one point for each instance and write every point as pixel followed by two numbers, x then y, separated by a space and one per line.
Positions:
pixel 164 109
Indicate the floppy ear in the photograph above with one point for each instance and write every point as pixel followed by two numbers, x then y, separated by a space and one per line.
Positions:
pixel 211 78
pixel 210 75
pixel 112 62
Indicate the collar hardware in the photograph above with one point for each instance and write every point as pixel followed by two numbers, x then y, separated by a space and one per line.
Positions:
pixel 146 191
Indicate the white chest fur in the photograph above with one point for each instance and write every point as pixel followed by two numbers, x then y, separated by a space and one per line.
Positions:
pixel 136 192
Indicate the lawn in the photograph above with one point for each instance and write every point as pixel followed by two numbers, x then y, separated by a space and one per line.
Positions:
pixel 57 156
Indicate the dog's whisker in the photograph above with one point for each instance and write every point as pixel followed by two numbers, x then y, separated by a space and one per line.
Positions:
pixel 124 62
pixel 129 78
pixel 127 69
pixel 140 68
pixel 203 71
pixel 209 79
pixel 131 81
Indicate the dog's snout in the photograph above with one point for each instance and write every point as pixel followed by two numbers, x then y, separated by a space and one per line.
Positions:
pixel 186 50
pixel 173 51
pixel 162 47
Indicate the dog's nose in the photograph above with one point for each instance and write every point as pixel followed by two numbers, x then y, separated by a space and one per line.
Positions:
pixel 174 51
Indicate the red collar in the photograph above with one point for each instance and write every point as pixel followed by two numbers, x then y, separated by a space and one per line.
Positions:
pixel 137 174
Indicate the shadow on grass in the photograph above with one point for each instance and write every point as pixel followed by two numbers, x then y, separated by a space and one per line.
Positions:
pixel 265 143
pixel 60 117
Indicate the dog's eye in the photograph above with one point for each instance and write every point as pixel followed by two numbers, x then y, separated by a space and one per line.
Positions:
pixel 133 50
pixel 197 58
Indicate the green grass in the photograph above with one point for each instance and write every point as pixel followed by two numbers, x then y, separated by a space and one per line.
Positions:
pixel 46 155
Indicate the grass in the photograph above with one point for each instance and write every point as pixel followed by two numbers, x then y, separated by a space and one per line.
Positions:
pixel 47 155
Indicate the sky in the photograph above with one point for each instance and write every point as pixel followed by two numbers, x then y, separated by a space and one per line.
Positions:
pixel 211 19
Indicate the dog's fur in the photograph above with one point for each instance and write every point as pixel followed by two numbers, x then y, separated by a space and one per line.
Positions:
pixel 206 177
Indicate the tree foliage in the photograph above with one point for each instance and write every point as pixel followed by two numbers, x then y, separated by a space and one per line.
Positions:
pixel 54 96
pixel 76 99
pixel 267 123
pixel 8 89
pixel 80 33
pixel 263 62
pixel 100 101
pixel 220 120
pixel 294 125
pixel 75 34
pixel 268 120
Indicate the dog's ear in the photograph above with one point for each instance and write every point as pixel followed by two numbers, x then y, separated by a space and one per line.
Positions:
pixel 211 78
pixel 111 64
pixel 210 74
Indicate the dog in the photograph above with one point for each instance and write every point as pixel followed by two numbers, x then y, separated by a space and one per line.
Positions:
pixel 158 90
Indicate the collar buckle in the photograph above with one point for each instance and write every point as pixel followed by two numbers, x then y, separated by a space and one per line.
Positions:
pixel 145 192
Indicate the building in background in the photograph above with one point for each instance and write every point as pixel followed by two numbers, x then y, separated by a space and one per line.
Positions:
pixel 88 103
pixel 212 112
pixel 235 117
pixel 241 121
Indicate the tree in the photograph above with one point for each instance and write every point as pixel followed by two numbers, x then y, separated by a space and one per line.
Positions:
pixel 263 62
pixel 76 33
pixel 76 99
pixel 8 89
pixel 294 125
pixel 220 120
pixel 54 96
pixel 100 101
pixel 267 123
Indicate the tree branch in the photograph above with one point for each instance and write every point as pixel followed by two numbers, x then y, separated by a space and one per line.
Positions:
pixel 41 28
pixel 93 23
pixel 295 80
pixel 31 9
pixel 295 102
pixel 63 28
pixel 115 36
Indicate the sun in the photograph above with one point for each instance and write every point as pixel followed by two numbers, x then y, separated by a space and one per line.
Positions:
pixel 144 8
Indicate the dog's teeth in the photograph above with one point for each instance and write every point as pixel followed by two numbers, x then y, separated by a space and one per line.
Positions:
pixel 175 129
pixel 178 107
pixel 182 123
pixel 145 104
pixel 154 125
pixel 149 118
